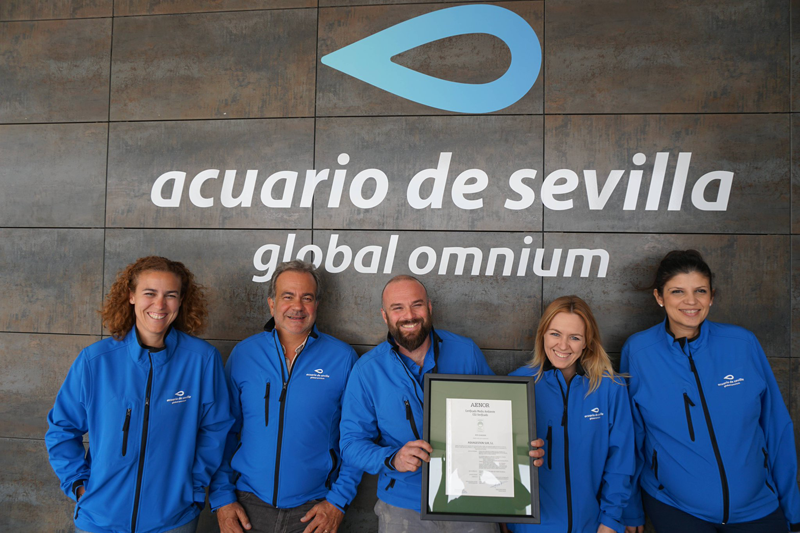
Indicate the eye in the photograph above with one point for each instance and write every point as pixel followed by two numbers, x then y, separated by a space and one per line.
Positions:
pixel 308 299
pixel 554 334
pixel 575 338
pixel 702 291
pixel 676 291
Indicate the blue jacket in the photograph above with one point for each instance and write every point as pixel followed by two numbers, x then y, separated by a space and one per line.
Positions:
pixel 157 424
pixel 383 409
pixel 713 436
pixel 588 463
pixel 288 452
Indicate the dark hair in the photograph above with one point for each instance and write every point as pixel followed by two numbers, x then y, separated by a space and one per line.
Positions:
pixel 118 315
pixel 295 266
pixel 681 262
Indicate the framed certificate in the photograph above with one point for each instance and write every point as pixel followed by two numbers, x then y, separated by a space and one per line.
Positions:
pixel 480 428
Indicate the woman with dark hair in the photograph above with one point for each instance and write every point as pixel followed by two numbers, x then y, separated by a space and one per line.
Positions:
pixel 154 401
pixel 582 410
pixel 714 442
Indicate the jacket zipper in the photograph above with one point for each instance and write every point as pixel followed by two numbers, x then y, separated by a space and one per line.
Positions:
pixel 722 476
pixel 281 416
pixel 564 424
pixel 334 461
pixel 145 422
pixel 266 405
pixel 687 403
pixel 549 447
pixel 125 427
pixel 766 467
pixel 410 418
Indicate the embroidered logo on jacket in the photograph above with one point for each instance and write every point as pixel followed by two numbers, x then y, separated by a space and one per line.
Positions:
pixel 180 397
pixel 595 414
pixel 730 381
pixel 318 374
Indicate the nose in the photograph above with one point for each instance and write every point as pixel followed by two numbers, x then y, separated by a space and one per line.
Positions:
pixel 562 343
pixel 691 297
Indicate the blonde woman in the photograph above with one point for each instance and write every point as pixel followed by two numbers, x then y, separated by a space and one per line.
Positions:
pixel 583 414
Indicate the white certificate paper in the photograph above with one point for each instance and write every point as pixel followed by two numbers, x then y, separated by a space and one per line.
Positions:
pixel 479 454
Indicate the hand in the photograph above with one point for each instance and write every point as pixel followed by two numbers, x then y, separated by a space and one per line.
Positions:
pixel 232 518
pixel 79 492
pixel 504 528
pixel 410 457
pixel 634 529
pixel 326 518
pixel 537 453
pixel 604 529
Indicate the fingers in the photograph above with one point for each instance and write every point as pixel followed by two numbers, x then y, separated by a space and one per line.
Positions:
pixel 326 518
pixel 538 452
pixel 232 518
pixel 411 456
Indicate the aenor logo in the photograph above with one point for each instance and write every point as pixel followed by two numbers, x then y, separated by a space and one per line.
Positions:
pixel 730 381
pixel 370 59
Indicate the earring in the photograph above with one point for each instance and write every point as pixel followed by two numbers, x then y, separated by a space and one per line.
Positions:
pixel 661 305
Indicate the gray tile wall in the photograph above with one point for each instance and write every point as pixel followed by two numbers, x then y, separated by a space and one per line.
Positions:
pixel 228 102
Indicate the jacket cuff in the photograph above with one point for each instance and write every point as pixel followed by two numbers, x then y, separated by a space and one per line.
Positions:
pixel 613 524
pixel 221 499
pixel 75 486
pixel 337 502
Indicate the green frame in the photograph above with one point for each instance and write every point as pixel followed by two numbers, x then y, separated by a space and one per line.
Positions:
pixel 523 507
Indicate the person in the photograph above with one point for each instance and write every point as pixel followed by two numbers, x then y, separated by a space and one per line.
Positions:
pixel 715 447
pixel 282 470
pixel 154 401
pixel 382 413
pixel 586 480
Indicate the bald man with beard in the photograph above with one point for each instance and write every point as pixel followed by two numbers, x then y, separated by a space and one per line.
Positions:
pixel 382 411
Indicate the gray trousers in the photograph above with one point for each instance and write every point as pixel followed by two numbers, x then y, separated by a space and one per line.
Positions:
pixel 393 519
pixel 268 519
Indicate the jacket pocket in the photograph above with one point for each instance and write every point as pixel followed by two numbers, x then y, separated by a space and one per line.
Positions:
pixel 125 426
pixel 334 463
pixel 688 404
pixel 410 418
pixel 549 450
pixel 766 468
pixel 266 405
pixel 654 468
pixel 391 484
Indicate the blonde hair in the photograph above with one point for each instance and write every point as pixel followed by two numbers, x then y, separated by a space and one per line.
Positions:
pixel 594 359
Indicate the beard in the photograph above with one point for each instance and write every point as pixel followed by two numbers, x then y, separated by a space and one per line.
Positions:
pixel 411 341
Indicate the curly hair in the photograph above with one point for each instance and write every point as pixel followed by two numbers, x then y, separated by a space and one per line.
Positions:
pixel 118 314
pixel 594 359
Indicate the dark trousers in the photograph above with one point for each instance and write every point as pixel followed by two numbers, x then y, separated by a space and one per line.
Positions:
pixel 268 519
pixel 668 519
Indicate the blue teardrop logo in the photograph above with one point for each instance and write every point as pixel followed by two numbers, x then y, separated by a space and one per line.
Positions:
pixel 369 59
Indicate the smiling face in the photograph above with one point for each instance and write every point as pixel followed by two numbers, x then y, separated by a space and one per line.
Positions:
pixel 686 298
pixel 156 302
pixel 564 342
pixel 408 313
pixel 295 305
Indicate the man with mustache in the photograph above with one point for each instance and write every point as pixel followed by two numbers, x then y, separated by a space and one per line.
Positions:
pixel 282 471
pixel 382 412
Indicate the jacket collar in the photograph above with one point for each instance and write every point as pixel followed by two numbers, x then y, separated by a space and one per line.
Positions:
pixel 696 342
pixel 142 355
pixel 579 370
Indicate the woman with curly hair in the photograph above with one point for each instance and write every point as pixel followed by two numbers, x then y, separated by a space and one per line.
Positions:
pixel 583 413
pixel 154 401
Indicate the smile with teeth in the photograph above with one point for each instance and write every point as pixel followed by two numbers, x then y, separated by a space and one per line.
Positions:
pixel 690 312
pixel 562 355
pixel 157 316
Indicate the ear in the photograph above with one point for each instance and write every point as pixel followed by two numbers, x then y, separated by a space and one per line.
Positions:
pixel 383 315
pixel 271 304
pixel 131 298
pixel 713 293
pixel 430 307
pixel 658 297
